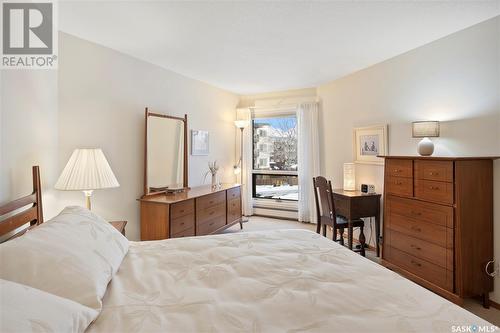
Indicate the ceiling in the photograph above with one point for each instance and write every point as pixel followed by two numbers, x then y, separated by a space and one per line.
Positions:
pixel 255 47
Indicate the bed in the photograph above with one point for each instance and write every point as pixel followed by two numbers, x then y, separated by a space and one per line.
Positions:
pixel 273 281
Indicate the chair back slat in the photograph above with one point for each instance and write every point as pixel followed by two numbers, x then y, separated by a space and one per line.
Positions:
pixel 325 207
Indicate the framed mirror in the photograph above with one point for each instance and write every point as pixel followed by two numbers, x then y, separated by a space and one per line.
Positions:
pixel 166 153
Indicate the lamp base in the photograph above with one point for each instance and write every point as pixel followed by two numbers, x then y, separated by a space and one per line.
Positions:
pixel 425 147
pixel 88 194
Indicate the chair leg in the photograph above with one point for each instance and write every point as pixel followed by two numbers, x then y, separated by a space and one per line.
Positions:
pixel 318 227
pixel 341 231
pixel 324 230
pixel 334 234
pixel 362 241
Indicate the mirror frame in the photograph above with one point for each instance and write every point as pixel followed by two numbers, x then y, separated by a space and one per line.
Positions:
pixel 148 114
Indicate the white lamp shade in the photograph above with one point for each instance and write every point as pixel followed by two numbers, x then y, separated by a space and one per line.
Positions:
pixel 87 169
pixel 241 123
pixel 422 129
pixel 349 176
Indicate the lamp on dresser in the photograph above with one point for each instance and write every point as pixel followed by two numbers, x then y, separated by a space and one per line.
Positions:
pixel 87 170
pixel 425 130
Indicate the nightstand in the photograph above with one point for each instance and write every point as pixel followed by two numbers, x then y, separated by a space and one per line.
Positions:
pixel 119 225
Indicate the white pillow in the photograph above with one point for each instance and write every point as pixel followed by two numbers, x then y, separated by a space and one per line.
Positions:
pixel 74 255
pixel 25 309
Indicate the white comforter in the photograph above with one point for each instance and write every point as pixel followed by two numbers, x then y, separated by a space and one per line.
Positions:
pixel 273 281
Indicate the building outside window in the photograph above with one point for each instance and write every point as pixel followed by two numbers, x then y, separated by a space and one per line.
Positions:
pixel 275 158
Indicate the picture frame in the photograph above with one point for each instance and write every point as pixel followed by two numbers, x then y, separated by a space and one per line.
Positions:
pixel 200 143
pixel 370 142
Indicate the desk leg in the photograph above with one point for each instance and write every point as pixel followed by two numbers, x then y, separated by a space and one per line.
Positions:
pixel 377 232
pixel 349 234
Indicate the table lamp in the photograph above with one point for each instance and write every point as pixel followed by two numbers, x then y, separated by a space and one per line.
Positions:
pixel 425 130
pixel 87 170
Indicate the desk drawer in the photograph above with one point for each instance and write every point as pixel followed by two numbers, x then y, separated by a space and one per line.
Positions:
pixel 202 216
pixel 399 168
pixel 430 252
pixel 434 170
pixel 421 268
pixel 399 186
pixel 210 200
pixel 434 191
pixel 210 226
pixel 185 233
pixel 181 223
pixel 233 210
pixel 182 208
pixel 421 211
pixel 433 233
pixel 233 193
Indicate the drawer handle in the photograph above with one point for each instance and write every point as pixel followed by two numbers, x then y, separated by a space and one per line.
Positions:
pixel 415 247
pixel 211 224
pixel 398 182
pixel 434 188
pixel 182 210
pixel 416 263
pixel 416 229
pixel 397 170
pixel 416 213
pixel 211 202
pixel 212 213
pixel 434 173
pixel 182 223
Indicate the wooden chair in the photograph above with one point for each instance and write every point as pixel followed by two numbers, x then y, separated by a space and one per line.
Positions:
pixel 325 209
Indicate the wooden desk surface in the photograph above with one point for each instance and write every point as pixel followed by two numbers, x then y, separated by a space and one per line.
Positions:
pixel 192 193
pixel 353 194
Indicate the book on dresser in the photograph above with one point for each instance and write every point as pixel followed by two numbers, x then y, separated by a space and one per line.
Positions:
pixel 438 223
pixel 197 211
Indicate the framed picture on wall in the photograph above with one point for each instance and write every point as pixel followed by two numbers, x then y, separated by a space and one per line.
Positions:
pixel 199 142
pixel 370 142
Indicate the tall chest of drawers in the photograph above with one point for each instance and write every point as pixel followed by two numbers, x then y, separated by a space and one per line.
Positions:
pixel 438 223
pixel 197 212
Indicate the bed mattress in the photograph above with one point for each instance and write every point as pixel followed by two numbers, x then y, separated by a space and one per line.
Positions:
pixel 272 281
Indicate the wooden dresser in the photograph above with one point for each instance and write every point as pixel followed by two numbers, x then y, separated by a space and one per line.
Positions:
pixel 438 223
pixel 196 212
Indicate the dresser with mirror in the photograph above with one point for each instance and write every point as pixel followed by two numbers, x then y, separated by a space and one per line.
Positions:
pixel 169 207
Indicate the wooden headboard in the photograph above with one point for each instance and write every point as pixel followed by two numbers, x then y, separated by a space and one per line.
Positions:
pixel 17 217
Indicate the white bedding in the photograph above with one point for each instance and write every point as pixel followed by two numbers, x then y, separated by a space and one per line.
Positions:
pixel 273 281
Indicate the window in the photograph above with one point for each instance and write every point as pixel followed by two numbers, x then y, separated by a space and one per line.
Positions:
pixel 275 158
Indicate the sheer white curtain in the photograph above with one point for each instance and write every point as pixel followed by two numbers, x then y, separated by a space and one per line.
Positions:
pixel 308 158
pixel 246 162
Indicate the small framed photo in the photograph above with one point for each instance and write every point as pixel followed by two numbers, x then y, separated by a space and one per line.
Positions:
pixel 370 142
pixel 199 142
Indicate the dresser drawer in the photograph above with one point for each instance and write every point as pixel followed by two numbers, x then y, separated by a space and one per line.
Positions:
pixel 399 168
pixel 434 191
pixel 185 233
pixel 210 200
pixel 233 193
pixel 421 211
pixel 210 226
pixel 181 223
pixel 182 208
pixel 233 210
pixel 399 186
pixel 434 170
pixel 202 216
pixel 433 233
pixel 422 268
pixel 433 253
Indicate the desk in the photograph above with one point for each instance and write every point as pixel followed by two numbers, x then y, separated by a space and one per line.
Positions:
pixel 355 205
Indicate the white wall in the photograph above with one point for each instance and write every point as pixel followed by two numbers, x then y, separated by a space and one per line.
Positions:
pixel 455 80
pixel 28 134
pixel 102 95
